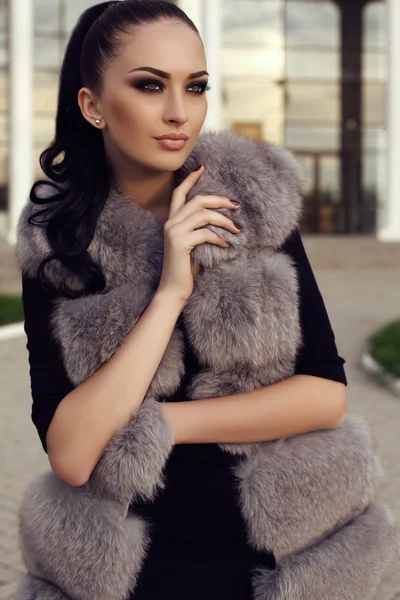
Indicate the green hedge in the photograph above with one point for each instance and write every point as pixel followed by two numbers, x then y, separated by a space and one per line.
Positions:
pixel 11 310
pixel 385 348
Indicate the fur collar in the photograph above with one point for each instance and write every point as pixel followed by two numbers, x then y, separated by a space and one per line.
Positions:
pixel 262 176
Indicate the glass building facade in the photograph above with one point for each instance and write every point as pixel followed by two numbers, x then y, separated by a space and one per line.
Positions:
pixel 307 74
pixel 311 75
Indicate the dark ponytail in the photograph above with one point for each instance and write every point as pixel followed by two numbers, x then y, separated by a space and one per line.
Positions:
pixel 75 162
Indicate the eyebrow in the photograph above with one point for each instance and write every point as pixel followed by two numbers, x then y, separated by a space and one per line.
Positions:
pixel 166 75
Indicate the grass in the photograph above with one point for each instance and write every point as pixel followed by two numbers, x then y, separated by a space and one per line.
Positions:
pixel 11 310
pixel 385 348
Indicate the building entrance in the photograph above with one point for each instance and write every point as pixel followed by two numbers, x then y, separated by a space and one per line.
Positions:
pixel 331 205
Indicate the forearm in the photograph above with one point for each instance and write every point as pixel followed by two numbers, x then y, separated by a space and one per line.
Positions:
pixel 296 405
pixel 88 418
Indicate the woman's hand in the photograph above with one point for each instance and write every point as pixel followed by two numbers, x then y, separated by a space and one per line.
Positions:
pixel 185 229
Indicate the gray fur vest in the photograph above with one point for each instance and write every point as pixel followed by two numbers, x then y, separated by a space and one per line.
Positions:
pixel 308 498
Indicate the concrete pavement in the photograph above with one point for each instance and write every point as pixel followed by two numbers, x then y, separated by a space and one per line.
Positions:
pixel 359 301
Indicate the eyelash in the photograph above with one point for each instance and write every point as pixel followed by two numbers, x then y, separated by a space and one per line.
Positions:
pixel 141 85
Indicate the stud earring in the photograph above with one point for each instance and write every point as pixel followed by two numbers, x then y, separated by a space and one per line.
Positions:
pixel 97 121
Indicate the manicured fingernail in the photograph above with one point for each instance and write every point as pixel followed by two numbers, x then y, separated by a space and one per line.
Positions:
pixel 197 168
pixel 235 202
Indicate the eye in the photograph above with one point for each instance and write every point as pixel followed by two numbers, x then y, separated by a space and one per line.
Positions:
pixel 154 86
pixel 149 85
pixel 200 88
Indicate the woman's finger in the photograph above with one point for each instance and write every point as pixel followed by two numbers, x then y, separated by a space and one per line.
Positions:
pixel 181 191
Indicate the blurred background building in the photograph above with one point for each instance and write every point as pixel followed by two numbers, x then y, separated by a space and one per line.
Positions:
pixel 316 76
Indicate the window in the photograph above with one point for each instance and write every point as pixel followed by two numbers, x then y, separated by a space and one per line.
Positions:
pixel 3 48
pixel 253 38
pixel 312 138
pixel 253 66
pixel 313 71
pixel 3 14
pixel 313 102
pixel 43 130
pixel 263 100
pixel 46 52
pixel 308 64
pixel 4 133
pixel 374 108
pixel 312 23
pixel 253 23
pixel 250 61
pixel 330 179
pixel 375 28
pixel 46 16
pixel 375 66
pixel 374 138
pixel 374 98
pixel 45 93
pixel 3 90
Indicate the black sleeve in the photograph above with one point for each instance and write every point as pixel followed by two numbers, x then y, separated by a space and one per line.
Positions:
pixel 318 355
pixel 49 381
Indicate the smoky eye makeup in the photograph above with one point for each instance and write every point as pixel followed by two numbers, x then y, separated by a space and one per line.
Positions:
pixel 156 86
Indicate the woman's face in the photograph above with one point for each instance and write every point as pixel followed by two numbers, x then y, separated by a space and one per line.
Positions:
pixel 136 106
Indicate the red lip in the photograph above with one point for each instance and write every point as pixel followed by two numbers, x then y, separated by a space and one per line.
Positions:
pixel 173 136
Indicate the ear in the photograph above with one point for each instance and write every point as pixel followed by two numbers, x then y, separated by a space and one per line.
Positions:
pixel 90 107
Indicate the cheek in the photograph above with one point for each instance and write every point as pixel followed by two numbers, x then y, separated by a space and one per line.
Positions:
pixel 198 114
pixel 130 115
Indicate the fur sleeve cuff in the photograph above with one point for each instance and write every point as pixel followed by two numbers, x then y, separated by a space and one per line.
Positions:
pixel 132 465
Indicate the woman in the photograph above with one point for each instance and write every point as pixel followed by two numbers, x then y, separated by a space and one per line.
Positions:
pixel 133 73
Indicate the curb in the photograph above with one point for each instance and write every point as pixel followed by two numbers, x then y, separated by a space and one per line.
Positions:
pixel 9 332
pixel 373 368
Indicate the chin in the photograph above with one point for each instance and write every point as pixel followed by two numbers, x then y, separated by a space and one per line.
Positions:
pixel 171 165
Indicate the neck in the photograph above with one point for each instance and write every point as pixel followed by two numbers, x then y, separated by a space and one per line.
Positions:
pixel 150 190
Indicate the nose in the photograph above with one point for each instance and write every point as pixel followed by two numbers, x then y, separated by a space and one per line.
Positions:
pixel 175 109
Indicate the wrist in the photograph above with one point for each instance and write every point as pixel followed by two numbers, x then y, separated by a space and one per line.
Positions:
pixel 172 414
pixel 170 298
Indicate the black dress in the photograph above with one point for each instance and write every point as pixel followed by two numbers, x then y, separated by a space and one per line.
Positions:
pixel 198 549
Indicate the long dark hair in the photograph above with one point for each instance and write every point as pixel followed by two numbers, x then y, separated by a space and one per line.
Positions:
pixel 76 158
